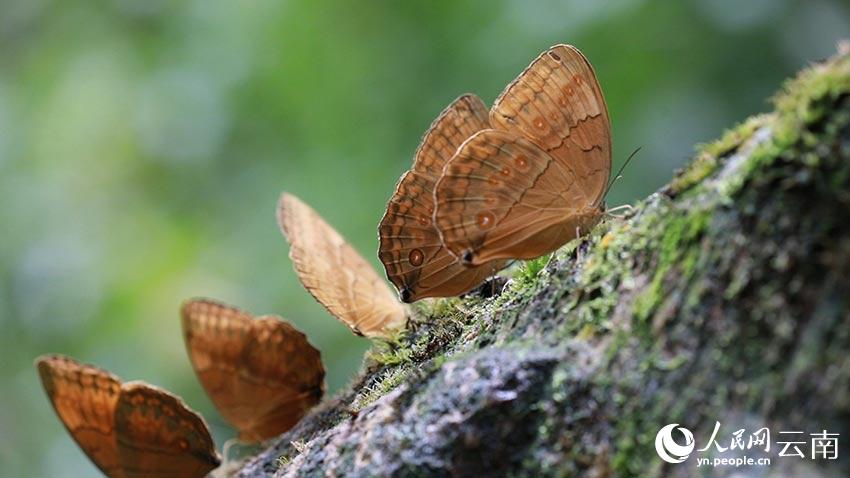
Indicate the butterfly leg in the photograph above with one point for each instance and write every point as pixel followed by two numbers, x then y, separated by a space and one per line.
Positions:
pixel 625 207
pixel 551 259
pixel 493 281
pixel 578 246
pixel 226 448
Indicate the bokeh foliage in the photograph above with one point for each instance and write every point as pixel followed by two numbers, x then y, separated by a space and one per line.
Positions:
pixel 143 146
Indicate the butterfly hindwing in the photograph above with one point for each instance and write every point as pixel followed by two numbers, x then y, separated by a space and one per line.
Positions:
pixel 158 435
pixel 84 398
pixel 130 429
pixel 252 368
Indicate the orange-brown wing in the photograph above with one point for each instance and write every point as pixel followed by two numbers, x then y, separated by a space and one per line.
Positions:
pixel 291 372
pixel 158 435
pixel 335 274
pixel 84 397
pixel 215 337
pixel 464 117
pixel 557 102
pixel 410 249
pixel 262 374
pixel 501 196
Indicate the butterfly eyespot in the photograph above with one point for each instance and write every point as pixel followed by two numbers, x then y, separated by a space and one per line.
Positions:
pixel 521 162
pixel 539 123
pixel 494 181
pixel 424 221
pixel 416 257
pixel 467 256
pixel 405 295
pixel 578 80
pixel 183 444
pixel 506 171
pixel 485 220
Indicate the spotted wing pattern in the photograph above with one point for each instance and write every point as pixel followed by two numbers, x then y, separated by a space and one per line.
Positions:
pixel 410 248
pixel 547 160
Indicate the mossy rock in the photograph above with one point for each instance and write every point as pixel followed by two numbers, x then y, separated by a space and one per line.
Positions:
pixel 723 297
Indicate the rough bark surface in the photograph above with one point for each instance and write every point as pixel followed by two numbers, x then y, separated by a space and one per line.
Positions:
pixel 725 297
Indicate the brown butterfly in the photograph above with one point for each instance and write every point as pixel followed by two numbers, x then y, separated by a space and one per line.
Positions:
pixel 410 248
pixel 335 274
pixel 261 373
pixel 537 179
pixel 127 429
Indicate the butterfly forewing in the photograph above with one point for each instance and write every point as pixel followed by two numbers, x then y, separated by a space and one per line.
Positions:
pixel 261 373
pixel 84 398
pixel 128 430
pixel 410 248
pixel 557 102
pixel 335 274
pixel 537 179
pixel 294 372
pixel 464 117
pixel 158 435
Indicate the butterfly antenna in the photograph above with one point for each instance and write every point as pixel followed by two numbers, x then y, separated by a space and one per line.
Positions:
pixel 620 171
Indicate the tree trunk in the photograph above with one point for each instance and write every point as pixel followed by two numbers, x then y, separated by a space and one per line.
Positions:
pixel 721 298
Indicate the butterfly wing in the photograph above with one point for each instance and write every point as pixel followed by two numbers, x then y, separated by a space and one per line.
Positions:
pixel 557 102
pixel 410 248
pixel 84 397
pixel 158 435
pixel 215 337
pixel 252 369
pixel 533 182
pixel 502 196
pixel 293 373
pixel 335 274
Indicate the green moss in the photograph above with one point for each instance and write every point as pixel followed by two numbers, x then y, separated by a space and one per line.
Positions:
pixel 389 356
pixel 800 102
pixel 385 383
pixel 708 155
pixel 803 101
pixel 734 137
pixel 679 239
pixel 527 273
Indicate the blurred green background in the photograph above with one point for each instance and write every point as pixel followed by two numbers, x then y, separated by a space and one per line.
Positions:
pixel 143 145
